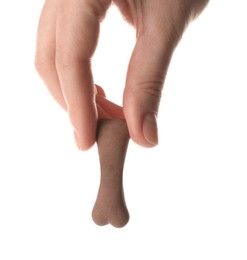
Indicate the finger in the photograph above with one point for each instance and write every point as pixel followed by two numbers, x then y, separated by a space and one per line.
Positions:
pixel 106 108
pixel 110 108
pixel 100 91
pixel 145 78
pixel 76 40
pixel 45 52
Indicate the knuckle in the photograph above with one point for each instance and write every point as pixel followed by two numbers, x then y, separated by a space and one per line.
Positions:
pixel 152 92
pixel 152 89
pixel 148 93
pixel 97 8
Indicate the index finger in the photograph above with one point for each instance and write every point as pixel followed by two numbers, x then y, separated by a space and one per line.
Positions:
pixel 77 32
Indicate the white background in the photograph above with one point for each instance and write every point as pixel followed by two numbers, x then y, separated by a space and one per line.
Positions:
pixel 187 197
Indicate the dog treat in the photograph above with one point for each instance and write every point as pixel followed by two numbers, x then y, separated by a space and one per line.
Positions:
pixel 112 141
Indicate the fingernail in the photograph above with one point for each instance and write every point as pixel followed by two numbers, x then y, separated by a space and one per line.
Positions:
pixel 77 140
pixel 150 129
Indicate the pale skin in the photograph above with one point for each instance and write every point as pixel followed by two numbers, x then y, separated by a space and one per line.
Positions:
pixel 67 38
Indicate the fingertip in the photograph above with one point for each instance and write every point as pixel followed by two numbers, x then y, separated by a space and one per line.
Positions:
pixel 86 137
pixel 143 129
pixel 83 145
pixel 84 123
pixel 100 91
pixel 141 111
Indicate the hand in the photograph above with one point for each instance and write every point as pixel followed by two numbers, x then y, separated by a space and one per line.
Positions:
pixel 67 37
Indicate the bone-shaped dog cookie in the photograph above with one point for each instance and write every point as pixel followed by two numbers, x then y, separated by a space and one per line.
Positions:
pixel 112 141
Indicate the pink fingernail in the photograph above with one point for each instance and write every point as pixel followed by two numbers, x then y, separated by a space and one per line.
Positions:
pixel 150 129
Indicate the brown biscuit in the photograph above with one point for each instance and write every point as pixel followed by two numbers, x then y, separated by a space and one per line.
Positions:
pixel 112 141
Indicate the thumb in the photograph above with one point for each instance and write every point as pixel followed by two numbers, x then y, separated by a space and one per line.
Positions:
pixel 145 78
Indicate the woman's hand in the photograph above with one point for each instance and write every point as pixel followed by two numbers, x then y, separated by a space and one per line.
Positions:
pixel 67 37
